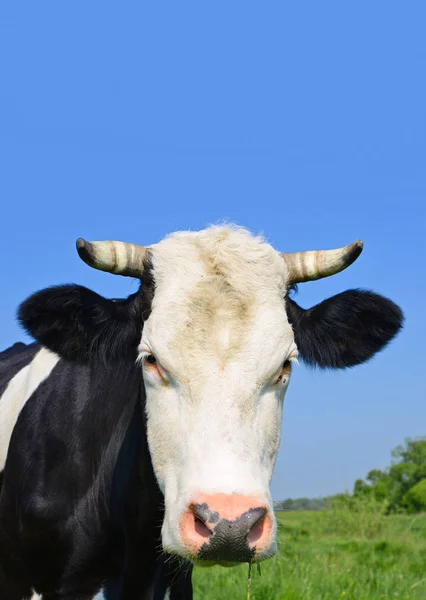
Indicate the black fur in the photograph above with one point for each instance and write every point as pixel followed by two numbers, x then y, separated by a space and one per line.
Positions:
pixel 78 324
pixel 345 330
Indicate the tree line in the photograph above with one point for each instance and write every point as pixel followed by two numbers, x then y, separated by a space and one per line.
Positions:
pixel 401 487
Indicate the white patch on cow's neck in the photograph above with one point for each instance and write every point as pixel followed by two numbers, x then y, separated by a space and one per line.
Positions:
pixel 19 389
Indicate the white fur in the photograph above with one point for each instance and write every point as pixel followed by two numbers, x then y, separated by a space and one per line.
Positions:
pixel 19 390
pixel 220 333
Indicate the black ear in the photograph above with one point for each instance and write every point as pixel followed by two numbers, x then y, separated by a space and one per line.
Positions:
pixel 79 324
pixel 345 330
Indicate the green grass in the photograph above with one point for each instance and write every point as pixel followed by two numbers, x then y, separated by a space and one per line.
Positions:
pixel 316 562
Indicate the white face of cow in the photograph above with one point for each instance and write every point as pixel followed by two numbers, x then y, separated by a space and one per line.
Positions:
pixel 223 349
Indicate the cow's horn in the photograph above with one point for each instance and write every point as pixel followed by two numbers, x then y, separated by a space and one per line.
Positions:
pixel 119 258
pixel 315 264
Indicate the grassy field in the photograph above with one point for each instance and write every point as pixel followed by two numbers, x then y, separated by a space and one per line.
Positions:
pixel 325 557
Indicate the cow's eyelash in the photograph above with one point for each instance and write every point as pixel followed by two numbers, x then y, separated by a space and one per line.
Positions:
pixel 148 357
pixel 294 359
pixel 290 361
pixel 286 365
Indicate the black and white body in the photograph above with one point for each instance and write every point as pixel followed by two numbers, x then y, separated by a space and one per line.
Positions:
pixel 150 426
pixel 80 509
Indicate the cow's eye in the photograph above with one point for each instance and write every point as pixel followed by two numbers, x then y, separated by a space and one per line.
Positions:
pixel 152 366
pixel 150 359
pixel 286 369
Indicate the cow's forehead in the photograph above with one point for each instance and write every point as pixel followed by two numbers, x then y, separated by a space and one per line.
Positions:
pixel 217 293
pixel 231 255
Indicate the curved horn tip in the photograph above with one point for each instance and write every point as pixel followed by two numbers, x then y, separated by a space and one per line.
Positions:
pixel 80 244
pixel 357 248
pixel 84 250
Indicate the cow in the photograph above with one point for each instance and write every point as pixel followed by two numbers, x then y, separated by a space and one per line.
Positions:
pixel 139 436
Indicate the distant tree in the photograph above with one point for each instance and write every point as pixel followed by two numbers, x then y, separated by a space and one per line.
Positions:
pixel 415 499
pixel 408 469
pixel 374 476
pixel 284 504
pixel 414 451
pixel 300 504
pixel 394 484
pixel 361 488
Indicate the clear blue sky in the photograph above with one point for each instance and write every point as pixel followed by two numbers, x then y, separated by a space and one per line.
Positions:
pixel 304 120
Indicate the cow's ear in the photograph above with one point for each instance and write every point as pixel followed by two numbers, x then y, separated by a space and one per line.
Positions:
pixel 79 324
pixel 345 330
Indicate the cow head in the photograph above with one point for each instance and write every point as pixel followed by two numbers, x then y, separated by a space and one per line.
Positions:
pixel 216 349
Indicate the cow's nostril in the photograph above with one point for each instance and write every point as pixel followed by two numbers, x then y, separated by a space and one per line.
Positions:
pixel 203 520
pixel 256 520
pixel 201 528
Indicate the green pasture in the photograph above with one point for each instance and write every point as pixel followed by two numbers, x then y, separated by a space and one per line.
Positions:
pixel 326 555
